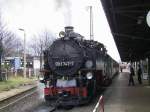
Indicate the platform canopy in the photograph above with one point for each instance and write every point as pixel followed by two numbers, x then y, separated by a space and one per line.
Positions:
pixel 127 20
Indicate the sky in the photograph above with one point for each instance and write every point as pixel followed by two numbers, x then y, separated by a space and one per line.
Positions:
pixel 36 15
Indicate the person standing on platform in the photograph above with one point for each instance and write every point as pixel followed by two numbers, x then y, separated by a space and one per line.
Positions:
pixel 139 72
pixel 121 69
pixel 131 80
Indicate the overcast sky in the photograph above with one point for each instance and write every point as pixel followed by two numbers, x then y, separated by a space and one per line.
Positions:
pixel 37 15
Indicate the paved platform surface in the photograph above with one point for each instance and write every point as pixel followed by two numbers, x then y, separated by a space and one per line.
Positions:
pixel 120 97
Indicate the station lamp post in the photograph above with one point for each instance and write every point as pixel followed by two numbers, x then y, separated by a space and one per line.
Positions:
pixel 24 57
pixel 1 51
pixel 148 23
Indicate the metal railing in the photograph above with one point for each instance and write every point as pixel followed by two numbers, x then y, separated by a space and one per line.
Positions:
pixel 100 105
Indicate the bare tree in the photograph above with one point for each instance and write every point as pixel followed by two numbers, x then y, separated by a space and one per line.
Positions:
pixel 8 43
pixel 35 46
pixel 41 42
pixel 3 34
pixel 12 45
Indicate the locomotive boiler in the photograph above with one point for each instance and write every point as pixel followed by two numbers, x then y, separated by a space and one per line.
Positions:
pixel 76 68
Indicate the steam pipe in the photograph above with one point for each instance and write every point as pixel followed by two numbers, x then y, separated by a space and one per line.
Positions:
pixel 91 24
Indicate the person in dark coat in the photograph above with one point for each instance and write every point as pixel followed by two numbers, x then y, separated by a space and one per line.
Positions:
pixel 139 73
pixel 131 80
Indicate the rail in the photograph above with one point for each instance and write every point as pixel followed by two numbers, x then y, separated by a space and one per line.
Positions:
pixel 18 97
pixel 100 105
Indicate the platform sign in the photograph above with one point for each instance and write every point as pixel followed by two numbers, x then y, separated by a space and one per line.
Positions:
pixel 148 18
pixel 17 63
pixel 36 64
pixel 145 76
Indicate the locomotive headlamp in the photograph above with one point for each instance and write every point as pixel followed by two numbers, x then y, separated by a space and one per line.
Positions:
pixel 41 79
pixel 88 64
pixel 62 34
pixel 89 75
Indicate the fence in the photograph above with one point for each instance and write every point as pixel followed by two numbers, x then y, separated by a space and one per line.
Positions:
pixel 100 105
pixel 7 73
pixel 4 75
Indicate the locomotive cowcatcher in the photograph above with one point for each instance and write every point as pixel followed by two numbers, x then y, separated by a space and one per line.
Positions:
pixel 75 69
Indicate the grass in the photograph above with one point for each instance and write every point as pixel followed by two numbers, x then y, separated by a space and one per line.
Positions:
pixel 14 82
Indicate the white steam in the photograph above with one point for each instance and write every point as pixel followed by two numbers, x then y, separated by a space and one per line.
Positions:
pixel 64 7
pixel 40 91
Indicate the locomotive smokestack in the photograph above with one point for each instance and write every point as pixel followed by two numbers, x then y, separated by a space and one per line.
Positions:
pixel 69 29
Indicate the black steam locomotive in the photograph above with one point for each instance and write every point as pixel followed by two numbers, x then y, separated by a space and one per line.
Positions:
pixel 75 69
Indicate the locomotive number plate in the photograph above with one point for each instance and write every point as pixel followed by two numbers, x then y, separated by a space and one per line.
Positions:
pixel 64 64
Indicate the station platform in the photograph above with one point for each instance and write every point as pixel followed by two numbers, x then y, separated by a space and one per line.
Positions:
pixel 119 97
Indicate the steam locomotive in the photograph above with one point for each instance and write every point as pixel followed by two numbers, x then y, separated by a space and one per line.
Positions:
pixel 75 69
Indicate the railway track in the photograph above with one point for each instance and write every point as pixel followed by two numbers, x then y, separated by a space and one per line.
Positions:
pixel 6 103
pixel 84 108
pixel 31 101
